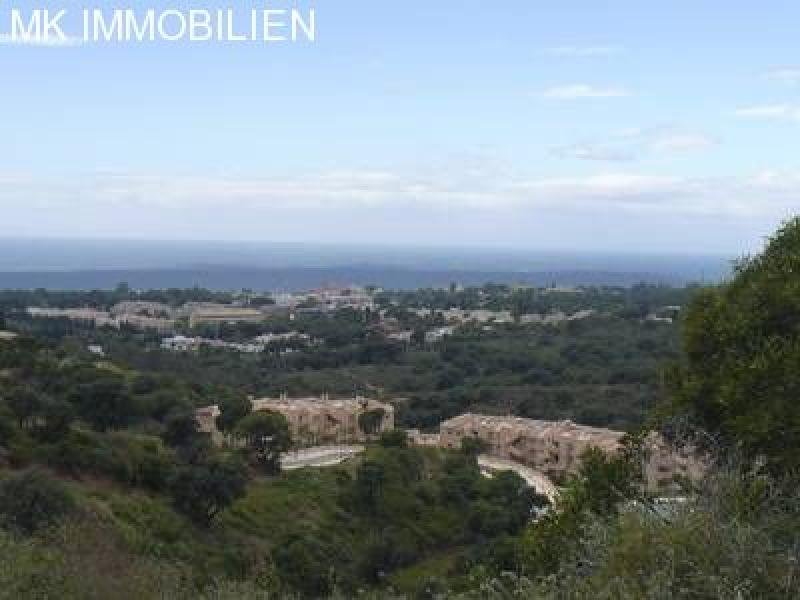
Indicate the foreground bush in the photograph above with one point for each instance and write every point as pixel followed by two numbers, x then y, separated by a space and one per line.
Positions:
pixel 739 378
pixel 739 538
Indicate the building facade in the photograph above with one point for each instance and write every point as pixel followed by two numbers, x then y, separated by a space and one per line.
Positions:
pixel 217 314
pixel 315 421
pixel 322 420
pixel 556 448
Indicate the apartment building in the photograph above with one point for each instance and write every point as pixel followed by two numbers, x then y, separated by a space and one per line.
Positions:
pixel 477 316
pixel 157 310
pixel 144 322
pixel 313 420
pixel 552 447
pixel 210 314
pixel 99 318
pixel 322 420
pixel 556 448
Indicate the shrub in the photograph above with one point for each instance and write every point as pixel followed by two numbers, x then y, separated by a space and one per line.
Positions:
pixel 204 490
pixel 130 459
pixel 31 501
pixel 397 438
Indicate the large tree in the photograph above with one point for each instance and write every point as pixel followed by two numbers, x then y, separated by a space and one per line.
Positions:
pixel 234 407
pixel 202 491
pixel 266 434
pixel 25 403
pixel 370 421
pixel 740 378
pixel 105 403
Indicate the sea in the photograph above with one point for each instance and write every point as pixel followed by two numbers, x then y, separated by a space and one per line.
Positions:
pixel 102 264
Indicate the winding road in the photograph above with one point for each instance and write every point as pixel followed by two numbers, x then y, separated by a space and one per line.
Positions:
pixel 537 480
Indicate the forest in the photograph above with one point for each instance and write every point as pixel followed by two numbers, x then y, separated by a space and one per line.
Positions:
pixel 604 370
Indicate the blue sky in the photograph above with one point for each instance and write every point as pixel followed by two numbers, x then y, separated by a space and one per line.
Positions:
pixel 614 125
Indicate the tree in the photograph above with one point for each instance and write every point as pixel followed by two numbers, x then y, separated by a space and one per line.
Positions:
pixel 397 438
pixel 202 491
pixel 739 378
pixel 305 564
pixel 266 434
pixel 368 485
pixel 606 482
pixel 370 421
pixel 56 417
pixel 233 408
pixel 24 403
pixel 105 403
pixel 472 447
pixel 597 492
pixel 180 428
pixel 31 501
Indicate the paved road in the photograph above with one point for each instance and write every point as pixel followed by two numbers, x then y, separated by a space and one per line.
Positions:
pixel 538 481
pixel 320 456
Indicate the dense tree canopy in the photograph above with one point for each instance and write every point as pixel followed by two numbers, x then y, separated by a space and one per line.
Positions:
pixel 266 434
pixel 740 377
pixel 202 491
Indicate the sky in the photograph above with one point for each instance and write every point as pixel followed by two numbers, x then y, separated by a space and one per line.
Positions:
pixel 612 125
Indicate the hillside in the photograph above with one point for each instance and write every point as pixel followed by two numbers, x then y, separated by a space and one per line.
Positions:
pixel 107 489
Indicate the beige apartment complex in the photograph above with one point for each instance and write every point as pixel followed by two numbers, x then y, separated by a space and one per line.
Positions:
pixel 101 318
pixel 211 314
pixel 323 420
pixel 552 447
pixel 555 448
pixel 314 420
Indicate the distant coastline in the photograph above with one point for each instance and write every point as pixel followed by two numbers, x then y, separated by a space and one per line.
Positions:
pixel 93 264
pixel 304 278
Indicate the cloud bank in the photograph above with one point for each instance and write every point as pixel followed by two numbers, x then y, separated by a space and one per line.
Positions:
pixel 762 193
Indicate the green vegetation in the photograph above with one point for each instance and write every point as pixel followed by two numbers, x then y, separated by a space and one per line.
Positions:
pixel 739 379
pixel 108 490
pixel 121 460
pixel 603 370
pixel 266 435
pixel 31 501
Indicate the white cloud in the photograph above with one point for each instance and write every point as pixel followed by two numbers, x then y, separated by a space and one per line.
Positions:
pixel 595 152
pixel 242 201
pixel 583 51
pixel 633 144
pixel 48 42
pixel 789 75
pixel 682 143
pixel 580 91
pixel 782 112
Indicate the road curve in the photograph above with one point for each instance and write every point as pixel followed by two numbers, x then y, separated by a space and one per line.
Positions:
pixel 537 480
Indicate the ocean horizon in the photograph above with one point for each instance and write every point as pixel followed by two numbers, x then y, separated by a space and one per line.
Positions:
pixel 79 264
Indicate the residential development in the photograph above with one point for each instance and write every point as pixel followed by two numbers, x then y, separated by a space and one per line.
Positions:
pixel 556 447
pixel 316 420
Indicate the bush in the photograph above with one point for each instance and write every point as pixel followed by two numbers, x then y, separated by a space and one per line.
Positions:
pixel 397 438
pixel 737 539
pixel 31 501
pixel 130 459
pixel 304 564
pixel 204 490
